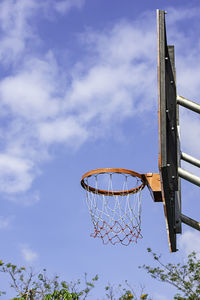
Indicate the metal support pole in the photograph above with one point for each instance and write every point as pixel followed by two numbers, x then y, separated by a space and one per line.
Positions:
pixel 189 176
pixel 188 104
pixel 192 160
pixel 190 222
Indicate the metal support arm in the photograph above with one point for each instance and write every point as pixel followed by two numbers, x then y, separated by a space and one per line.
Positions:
pixel 188 104
pixel 189 176
pixel 190 159
pixel 190 222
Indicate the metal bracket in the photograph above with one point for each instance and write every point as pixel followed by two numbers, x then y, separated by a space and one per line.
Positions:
pixel 154 186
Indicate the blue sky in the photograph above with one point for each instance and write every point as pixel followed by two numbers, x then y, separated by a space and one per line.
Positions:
pixel 78 91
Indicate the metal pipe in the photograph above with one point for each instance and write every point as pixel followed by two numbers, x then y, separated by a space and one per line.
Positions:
pixel 189 176
pixel 190 222
pixel 190 159
pixel 188 104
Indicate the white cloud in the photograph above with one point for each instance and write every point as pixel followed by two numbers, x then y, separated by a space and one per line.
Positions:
pixel 65 5
pixel 62 130
pixel 30 92
pixel 14 16
pixel 18 25
pixel 181 14
pixel 15 174
pixel 190 241
pixel 126 42
pixel 123 72
pixel 28 254
pixel 5 222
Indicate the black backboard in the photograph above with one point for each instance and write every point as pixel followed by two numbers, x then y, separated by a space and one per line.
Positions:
pixel 168 134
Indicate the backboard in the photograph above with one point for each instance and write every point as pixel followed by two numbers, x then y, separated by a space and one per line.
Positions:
pixel 169 154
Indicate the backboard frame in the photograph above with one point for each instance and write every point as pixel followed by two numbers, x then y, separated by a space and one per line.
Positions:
pixel 168 135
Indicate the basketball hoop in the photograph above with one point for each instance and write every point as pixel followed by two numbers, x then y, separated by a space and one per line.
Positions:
pixel 113 197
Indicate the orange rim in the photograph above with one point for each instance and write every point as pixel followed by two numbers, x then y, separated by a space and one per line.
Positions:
pixel 112 170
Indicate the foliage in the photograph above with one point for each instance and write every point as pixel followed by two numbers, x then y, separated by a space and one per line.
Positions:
pixel 184 277
pixel 124 292
pixel 30 286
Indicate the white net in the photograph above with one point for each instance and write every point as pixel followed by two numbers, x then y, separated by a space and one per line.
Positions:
pixel 116 218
